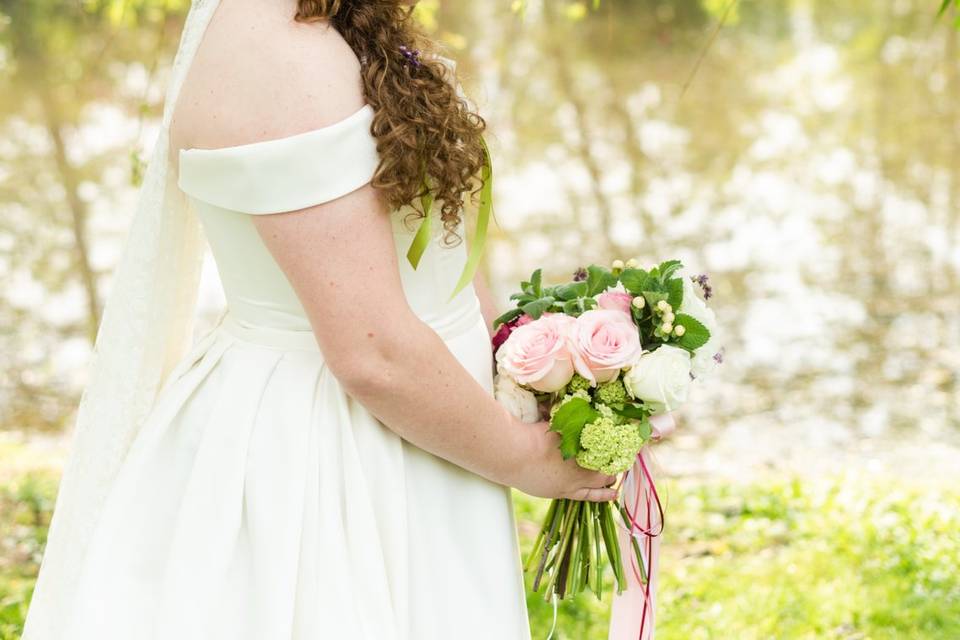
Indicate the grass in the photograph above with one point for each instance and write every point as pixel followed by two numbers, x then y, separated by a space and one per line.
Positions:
pixel 846 558
pixel 26 503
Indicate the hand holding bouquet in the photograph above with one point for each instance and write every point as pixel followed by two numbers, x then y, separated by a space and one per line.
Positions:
pixel 603 353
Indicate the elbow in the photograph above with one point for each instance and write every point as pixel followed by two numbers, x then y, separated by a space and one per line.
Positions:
pixel 363 378
pixel 376 370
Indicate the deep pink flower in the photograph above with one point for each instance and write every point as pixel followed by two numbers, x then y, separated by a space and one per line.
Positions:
pixel 506 329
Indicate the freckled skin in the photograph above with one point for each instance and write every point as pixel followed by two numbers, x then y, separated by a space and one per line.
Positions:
pixel 259 76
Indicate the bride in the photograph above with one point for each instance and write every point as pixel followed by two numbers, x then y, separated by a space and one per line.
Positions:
pixel 328 461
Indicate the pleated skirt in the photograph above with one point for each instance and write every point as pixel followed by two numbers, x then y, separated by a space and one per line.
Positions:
pixel 260 501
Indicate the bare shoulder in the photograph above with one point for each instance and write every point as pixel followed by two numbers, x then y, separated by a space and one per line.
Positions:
pixel 258 75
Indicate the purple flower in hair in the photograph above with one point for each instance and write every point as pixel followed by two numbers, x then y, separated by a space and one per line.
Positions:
pixel 412 55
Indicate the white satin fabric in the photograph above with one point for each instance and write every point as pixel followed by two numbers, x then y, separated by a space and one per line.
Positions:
pixel 231 488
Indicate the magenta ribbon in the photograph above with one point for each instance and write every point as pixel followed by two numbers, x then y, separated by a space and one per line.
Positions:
pixel 634 608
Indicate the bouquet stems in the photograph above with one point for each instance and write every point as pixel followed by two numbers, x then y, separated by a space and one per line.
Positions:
pixel 567 550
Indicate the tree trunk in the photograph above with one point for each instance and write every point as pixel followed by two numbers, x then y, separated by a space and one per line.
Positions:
pixel 70 180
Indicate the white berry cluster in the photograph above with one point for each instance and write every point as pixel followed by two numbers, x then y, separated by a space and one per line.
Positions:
pixel 666 328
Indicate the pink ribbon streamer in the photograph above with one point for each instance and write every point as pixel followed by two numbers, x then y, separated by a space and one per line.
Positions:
pixel 632 614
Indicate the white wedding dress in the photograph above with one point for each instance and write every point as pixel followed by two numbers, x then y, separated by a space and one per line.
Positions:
pixel 259 501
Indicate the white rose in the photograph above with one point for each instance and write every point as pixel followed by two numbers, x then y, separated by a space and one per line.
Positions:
pixel 519 402
pixel 692 305
pixel 660 379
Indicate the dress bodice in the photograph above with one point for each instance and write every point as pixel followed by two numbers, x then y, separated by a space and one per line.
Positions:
pixel 229 185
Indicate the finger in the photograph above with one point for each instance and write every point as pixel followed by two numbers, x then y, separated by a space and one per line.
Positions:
pixel 599 480
pixel 594 495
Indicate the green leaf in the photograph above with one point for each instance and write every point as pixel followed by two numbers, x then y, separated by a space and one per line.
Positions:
pixel 944 7
pixel 653 297
pixel 570 290
pixel 668 268
pixel 523 297
pixel 631 410
pixel 645 429
pixel 572 307
pixel 507 317
pixel 634 280
pixel 536 308
pixel 568 421
pixel 598 279
pixel 675 292
pixel 535 281
pixel 695 333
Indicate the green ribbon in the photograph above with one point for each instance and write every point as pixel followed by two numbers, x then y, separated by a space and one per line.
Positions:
pixel 423 236
pixel 422 239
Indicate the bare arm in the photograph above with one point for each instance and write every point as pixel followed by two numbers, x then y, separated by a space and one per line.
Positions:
pixel 340 258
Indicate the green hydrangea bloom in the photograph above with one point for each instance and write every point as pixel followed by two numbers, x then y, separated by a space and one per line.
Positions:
pixel 609 414
pixel 612 392
pixel 578 383
pixel 609 444
pixel 580 393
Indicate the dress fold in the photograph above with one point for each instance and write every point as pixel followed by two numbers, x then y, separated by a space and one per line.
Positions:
pixel 259 500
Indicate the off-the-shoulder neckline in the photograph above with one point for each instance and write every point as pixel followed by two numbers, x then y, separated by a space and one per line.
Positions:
pixel 260 144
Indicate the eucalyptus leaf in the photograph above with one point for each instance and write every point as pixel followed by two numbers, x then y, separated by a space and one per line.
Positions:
pixel 568 421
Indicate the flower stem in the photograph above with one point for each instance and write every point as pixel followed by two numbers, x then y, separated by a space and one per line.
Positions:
pixel 597 539
pixel 566 546
pixel 554 518
pixel 542 537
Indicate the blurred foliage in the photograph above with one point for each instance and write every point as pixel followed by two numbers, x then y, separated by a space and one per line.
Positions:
pixel 844 558
pixel 805 155
pixel 26 504
pixel 790 559
pixel 850 107
pixel 65 67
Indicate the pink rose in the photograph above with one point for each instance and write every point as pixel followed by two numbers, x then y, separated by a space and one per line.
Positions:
pixel 605 341
pixel 538 353
pixel 615 300
pixel 506 329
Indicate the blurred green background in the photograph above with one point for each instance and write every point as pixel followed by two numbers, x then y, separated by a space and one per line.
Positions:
pixel 804 153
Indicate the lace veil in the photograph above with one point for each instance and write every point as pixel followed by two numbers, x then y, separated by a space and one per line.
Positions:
pixel 147 327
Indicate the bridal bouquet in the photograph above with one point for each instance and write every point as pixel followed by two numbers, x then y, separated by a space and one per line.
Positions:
pixel 599 356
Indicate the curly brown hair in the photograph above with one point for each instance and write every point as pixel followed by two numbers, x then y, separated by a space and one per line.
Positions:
pixel 427 136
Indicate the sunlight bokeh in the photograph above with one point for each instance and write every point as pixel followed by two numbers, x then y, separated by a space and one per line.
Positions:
pixel 804 153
